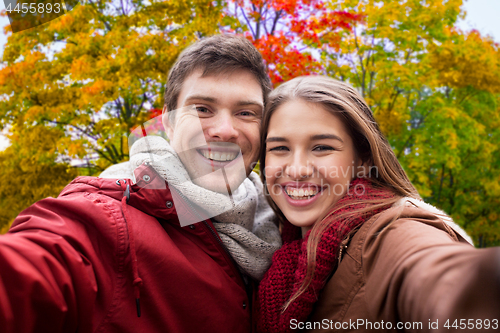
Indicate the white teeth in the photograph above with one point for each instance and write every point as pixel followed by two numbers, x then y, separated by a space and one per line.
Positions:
pixel 219 157
pixel 301 193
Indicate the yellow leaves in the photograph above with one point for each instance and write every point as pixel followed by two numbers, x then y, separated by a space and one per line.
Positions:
pixel 98 93
pixel 450 112
pixel 63 22
pixel 16 77
pixel 29 172
pixel 451 140
pixel 76 149
pixel 493 217
pixel 72 147
pixel 493 187
pixel 98 87
pixel 468 60
pixel 35 112
pixel 390 120
pixel 106 126
pixel 79 68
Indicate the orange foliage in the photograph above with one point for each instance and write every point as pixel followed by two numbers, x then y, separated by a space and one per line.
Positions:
pixel 285 31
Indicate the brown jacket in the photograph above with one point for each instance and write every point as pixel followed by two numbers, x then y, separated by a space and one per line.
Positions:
pixel 415 270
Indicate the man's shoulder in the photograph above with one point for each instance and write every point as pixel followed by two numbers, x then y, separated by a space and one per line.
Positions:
pixel 84 185
pixel 84 200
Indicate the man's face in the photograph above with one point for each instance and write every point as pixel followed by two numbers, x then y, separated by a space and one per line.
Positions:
pixel 229 109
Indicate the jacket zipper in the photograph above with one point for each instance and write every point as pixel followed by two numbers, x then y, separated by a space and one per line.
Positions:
pixel 225 251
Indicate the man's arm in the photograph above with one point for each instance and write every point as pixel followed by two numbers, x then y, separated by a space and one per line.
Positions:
pixel 47 279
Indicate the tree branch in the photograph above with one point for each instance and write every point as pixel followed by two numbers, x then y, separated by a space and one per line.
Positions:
pixel 106 24
pixel 248 22
pixel 363 70
pixel 275 21
pixel 85 132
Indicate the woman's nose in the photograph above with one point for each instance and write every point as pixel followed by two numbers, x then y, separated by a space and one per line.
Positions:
pixel 299 168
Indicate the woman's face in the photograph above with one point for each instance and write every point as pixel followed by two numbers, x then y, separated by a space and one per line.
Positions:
pixel 310 161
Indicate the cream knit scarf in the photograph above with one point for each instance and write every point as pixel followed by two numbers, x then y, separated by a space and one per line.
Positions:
pixel 246 225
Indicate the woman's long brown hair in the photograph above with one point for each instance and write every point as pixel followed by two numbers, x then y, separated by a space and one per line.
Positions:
pixel 370 144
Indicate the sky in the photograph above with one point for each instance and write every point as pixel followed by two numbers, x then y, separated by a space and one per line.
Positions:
pixel 482 15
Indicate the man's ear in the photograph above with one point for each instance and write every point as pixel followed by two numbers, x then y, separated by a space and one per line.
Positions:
pixel 167 123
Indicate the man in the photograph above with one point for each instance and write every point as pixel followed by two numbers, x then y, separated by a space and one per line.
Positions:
pixel 111 255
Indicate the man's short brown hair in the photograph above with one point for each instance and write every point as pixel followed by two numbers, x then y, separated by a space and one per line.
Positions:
pixel 216 55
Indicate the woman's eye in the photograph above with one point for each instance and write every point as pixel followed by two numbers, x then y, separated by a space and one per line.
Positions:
pixel 323 148
pixel 279 148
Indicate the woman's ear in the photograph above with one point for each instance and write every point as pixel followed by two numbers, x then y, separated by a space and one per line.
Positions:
pixel 363 168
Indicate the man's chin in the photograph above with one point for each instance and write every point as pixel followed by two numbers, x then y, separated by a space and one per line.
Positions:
pixel 220 182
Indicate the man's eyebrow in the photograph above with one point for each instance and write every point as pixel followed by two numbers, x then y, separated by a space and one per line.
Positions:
pixel 250 102
pixel 214 100
pixel 276 139
pixel 326 136
pixel 202 97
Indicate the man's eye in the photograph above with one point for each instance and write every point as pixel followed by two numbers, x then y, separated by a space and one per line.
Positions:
pixel 323 148
pixel 202 109
pixel 246 113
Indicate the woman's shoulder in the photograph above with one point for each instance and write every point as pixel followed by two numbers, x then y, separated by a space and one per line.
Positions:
pixel 408 215
pixel 409 223
pixel 421 208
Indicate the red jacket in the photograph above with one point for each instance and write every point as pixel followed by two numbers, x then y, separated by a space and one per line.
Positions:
pixel 88 261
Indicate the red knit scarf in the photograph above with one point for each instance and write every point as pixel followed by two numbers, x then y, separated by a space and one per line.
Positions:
pixel 288 268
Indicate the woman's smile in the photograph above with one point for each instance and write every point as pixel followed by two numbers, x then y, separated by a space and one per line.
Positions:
pixel 301 194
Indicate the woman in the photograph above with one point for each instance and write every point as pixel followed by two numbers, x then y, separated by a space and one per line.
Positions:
pixel 361 251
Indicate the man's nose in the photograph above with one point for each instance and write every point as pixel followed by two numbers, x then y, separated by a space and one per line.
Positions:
pixel 222 128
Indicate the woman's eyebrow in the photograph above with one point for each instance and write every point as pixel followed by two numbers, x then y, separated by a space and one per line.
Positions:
pixel 276 139
pixel 326 136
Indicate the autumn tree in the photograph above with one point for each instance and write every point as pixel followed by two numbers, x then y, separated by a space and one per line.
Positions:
pixel 434 91
pixel 461 167
pixel 288 32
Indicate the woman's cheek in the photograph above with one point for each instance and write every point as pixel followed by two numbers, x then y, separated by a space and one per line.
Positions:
pixel 273 172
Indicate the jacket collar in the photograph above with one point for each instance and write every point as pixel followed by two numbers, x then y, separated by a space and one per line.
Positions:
pixel 150 194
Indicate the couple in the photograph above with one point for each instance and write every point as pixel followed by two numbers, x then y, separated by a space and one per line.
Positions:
pixel 123 254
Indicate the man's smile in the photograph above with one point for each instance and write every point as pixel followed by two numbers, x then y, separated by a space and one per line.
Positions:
pixel 218 155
